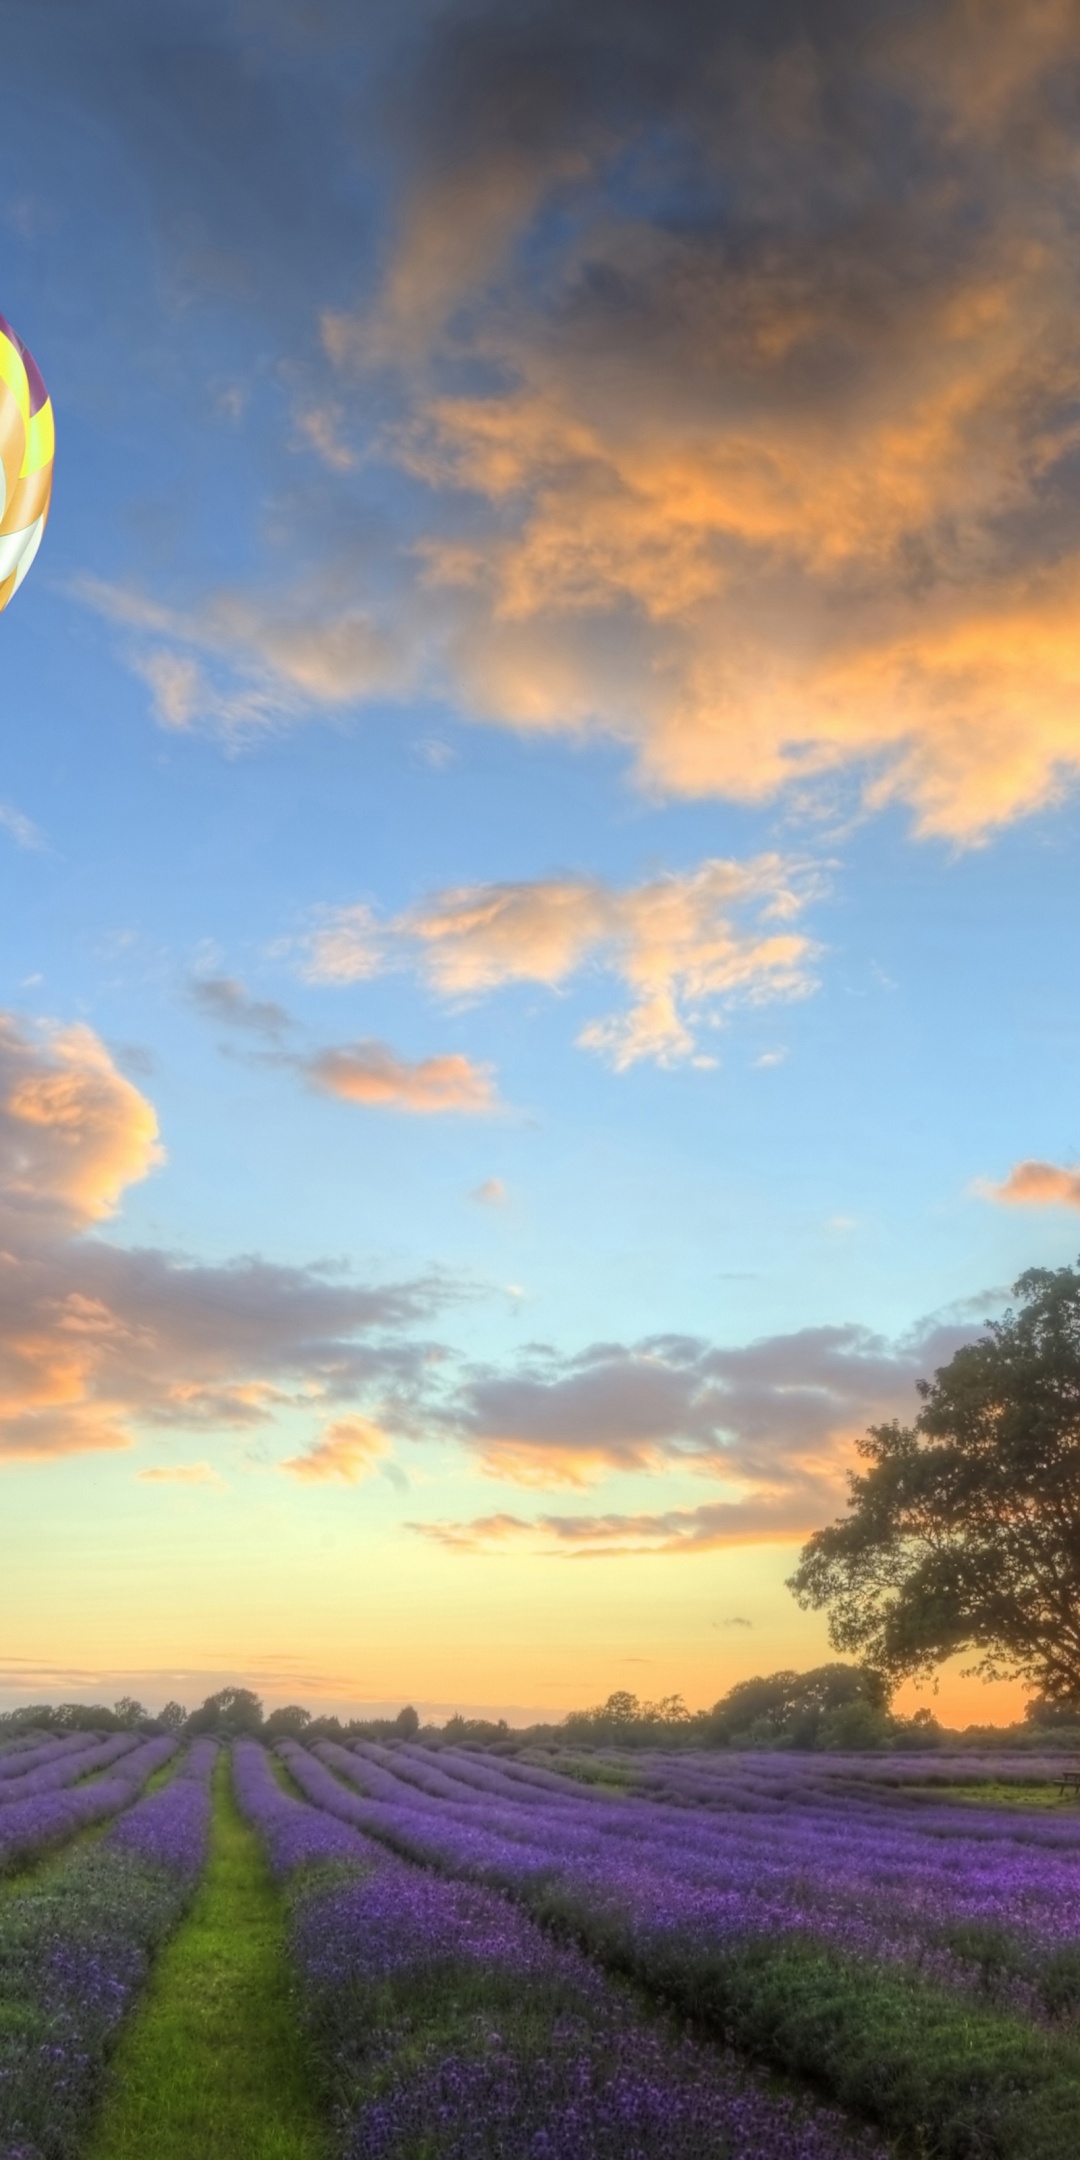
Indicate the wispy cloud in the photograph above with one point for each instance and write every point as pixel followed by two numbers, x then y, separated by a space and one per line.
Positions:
pixel 223 999
pixel 372 1075
pixel 246 664
pixel 349 1450
pixel 684 946
pixel 367 1073
pixel 197 1473
pixel 491 1193
pixel 19 828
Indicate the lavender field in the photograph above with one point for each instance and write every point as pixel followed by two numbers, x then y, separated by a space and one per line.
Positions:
pixel 489 1955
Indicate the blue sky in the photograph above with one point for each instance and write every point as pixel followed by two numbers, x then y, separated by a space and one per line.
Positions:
pixel 539 759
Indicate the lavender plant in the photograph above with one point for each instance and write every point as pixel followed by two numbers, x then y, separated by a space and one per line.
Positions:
pixel 446 2022
pixel 843 1943
pixel 75 1763
pixel 75 1949
pixel 32 1826
pixel 19 1756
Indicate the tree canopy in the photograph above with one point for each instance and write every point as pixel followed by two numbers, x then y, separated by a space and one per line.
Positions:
pixel 964 1531
pixel 832 1706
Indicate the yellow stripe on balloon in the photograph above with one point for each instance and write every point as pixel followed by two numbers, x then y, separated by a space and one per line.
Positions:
pixel 40 441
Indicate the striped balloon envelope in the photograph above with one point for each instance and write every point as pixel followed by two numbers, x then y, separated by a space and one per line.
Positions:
pixel 26 461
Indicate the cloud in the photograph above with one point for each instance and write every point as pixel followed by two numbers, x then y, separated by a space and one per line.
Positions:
pixel 492 1193
pixel 709 1528
pixel 247 664
pixel 350 1449
pixel 319 427
pixel 99 1341
pixel 371 1074
pixel 368 1073
pixel 784 485
pixel 196 1473
pixel 73 1131
pixel 684 946
pixel 485 1534
pixel 710 373
pixel 220 998
pixel 774 1418
pixel 19 828
pixel 1037 1184
pixel 348 945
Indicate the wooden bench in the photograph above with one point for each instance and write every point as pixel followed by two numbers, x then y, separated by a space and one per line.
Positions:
pixel 1069 1782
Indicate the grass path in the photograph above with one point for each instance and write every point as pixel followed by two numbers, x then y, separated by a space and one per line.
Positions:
pixel 211 2066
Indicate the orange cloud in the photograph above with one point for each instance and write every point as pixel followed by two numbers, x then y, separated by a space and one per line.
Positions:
pixel 1038 1184
pixel 684 945
pixel 762 1520
pixel 349 1449
pixel 776 491
pixel 369 1073
pixel 197 1473
pixel 73 1131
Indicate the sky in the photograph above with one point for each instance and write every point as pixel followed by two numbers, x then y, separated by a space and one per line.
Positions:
pixel 539 799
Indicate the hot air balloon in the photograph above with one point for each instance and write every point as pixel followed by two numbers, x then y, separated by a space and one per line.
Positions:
pixel 26 461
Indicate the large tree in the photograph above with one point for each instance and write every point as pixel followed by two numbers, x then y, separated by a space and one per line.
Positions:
pixel 964 1531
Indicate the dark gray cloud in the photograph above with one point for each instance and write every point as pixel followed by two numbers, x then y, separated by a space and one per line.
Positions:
pixel 769 1414
pixel 221 998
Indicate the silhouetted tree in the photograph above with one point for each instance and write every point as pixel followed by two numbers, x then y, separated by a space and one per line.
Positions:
pixel 407 1723
pixel 129 1713
pixel 287 1723
pixel 83 1717
pixel 964 1533
pixel 231 1711
pixel 174 1717
pixel 623 1721
pixel 474 1731
pixel 829 1706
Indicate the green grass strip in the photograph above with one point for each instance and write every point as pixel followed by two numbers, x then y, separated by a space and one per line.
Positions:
pixel 212 2065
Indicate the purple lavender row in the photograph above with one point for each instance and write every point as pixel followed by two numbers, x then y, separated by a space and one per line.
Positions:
pixel 776 1783
pixel 295 1836
pixel 24 1757
pixel 918 1830
pixel 75 1951
pixel 35 1825
pixel 537 2052
pixel 832 1811
pixel 781 1775
pixel 875 1890
pixel 81 1762
pixel 171 1828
